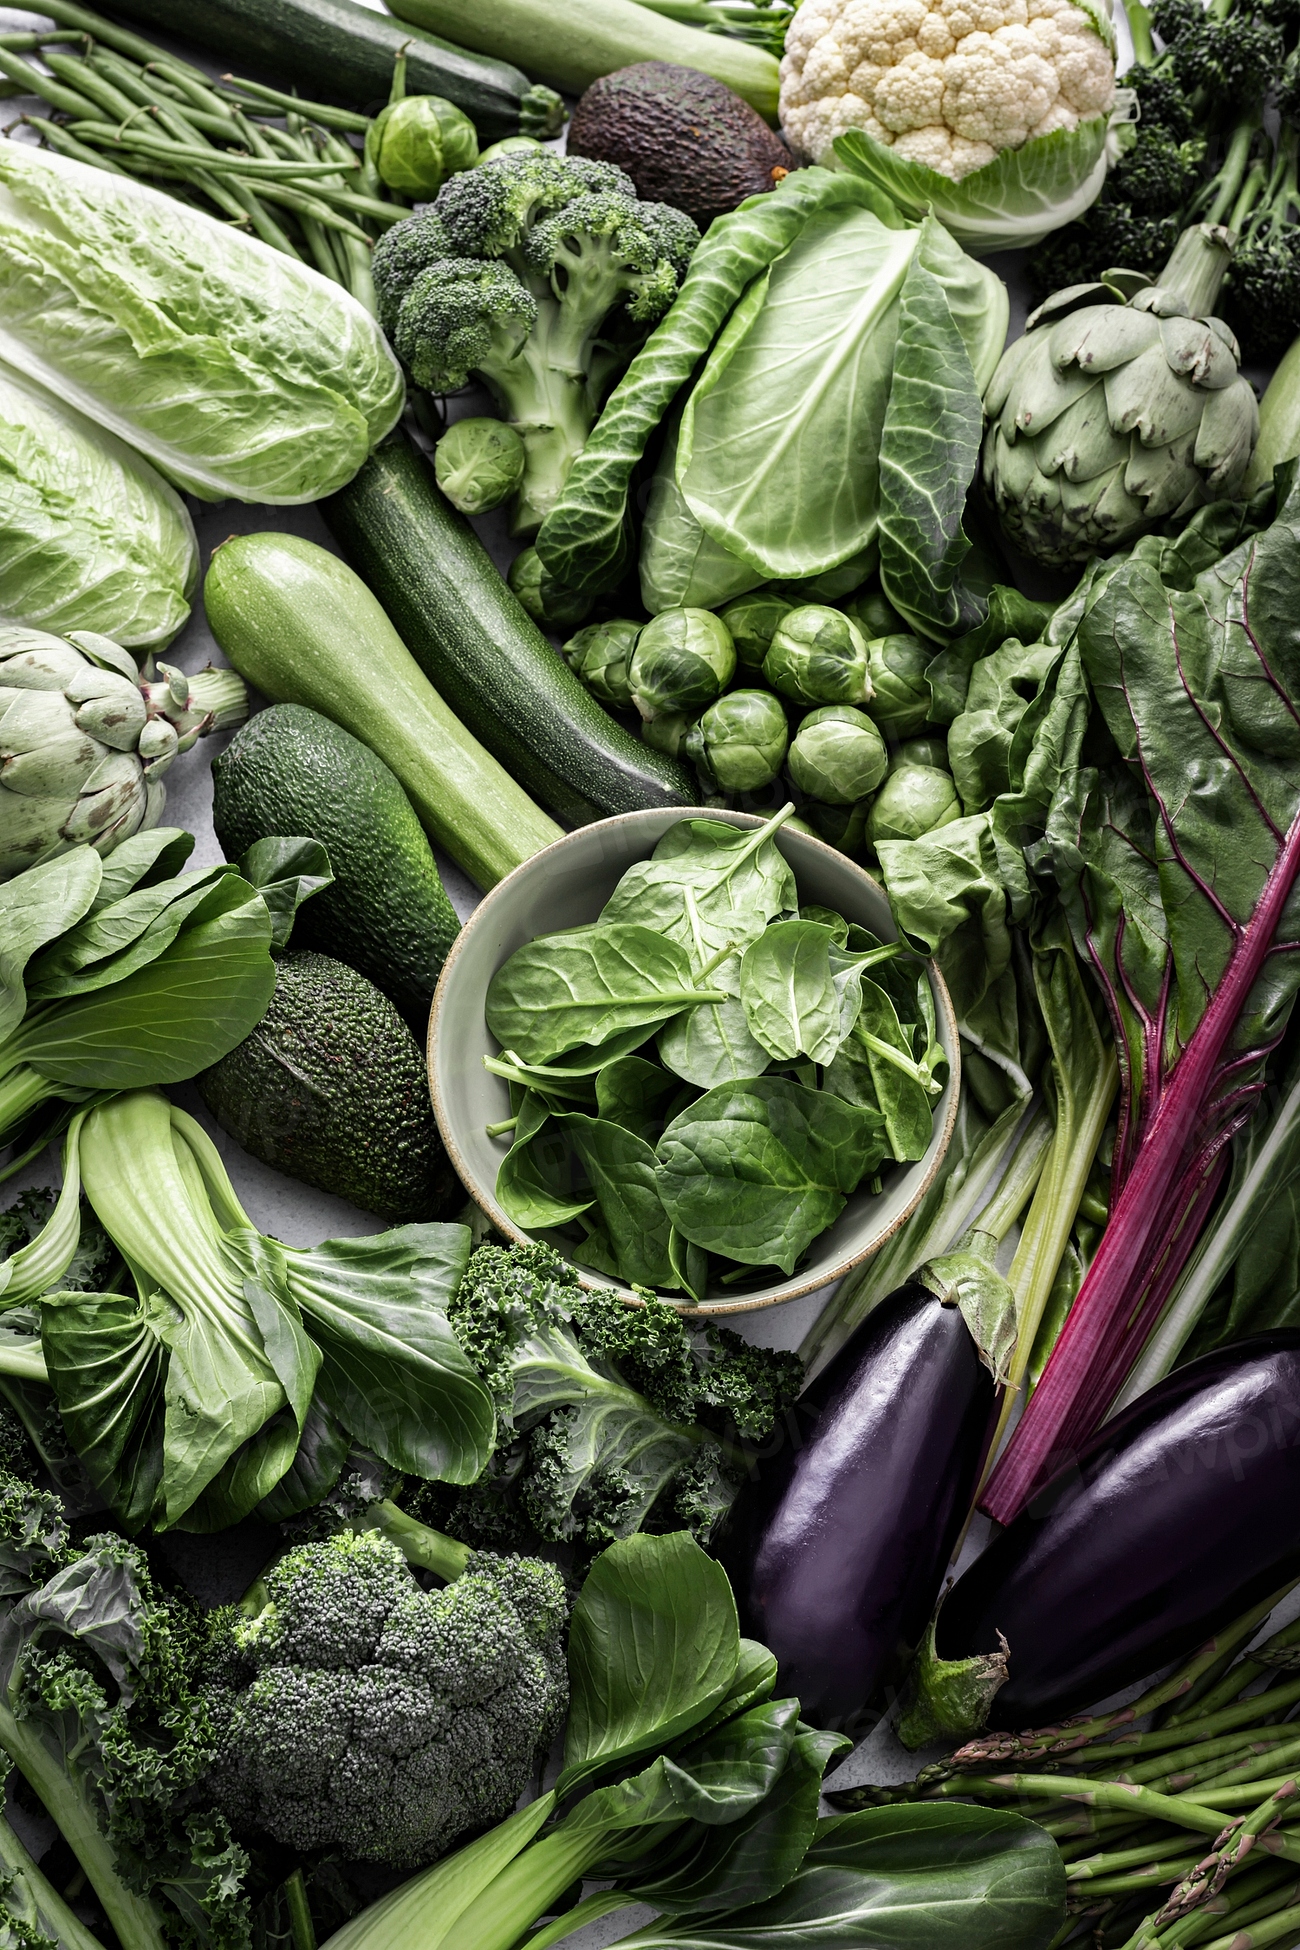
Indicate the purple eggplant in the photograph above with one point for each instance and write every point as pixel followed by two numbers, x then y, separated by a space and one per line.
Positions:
pixel 837 1547
pixel 1179 1515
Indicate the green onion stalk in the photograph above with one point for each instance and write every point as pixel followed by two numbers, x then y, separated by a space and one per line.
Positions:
pixel 282 169
pixel 1183 1831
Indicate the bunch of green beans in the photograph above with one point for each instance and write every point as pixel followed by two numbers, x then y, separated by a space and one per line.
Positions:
pixel 1177 1817
pixel 285 170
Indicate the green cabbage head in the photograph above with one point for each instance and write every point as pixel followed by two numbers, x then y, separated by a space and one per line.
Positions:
pixel 237 370
pixel 91 536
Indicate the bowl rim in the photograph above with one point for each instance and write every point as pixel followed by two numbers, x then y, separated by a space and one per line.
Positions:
pixel 592 1281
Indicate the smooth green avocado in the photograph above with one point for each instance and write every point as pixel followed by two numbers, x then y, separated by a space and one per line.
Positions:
pixel 290 770
pixel 331 1088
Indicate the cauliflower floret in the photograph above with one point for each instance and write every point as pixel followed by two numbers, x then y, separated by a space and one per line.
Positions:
pixel 946 82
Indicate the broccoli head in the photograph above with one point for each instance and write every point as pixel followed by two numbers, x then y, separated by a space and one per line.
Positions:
pixel 368 1716
pixel 540 274
pixel 1262 296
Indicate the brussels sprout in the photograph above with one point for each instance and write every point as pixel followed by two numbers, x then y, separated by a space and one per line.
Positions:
pixel 684 658
pixel 818 656
pixel 479 464
pixel 874 615
pixel 843 827
pixel 912 801
pixel 752 620
pixel 600 655
pixel 509 145
pixel 900 696
pixel 838 756
pixel 739 743
pixel 668 732
pixel 921 751
pixel 415 144
pixel 546 601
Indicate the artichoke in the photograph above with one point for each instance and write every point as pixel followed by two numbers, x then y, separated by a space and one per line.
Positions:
pixel 1121 408
pixel 85 739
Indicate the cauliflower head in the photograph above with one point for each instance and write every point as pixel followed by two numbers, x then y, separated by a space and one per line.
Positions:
pixel 949 83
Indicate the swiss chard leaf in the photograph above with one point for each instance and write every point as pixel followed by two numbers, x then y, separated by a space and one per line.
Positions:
pixel 924 1877
pixel 586 986
pixel 756 1169
pixel 653 1647
pixel 394 1372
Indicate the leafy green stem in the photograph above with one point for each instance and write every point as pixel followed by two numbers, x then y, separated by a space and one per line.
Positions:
pixel 302 1928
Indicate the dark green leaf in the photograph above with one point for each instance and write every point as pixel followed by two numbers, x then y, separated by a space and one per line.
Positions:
pixel 755 1170
pixel 586 986
pixel 948 673
pixel 792 1004
pixel 112 942
pixel 394 1372
pixel 158 854
pixel 653 1648
pixel 107 1367
pixel 924 1877
pixel 318 1462
pixel 621 1167
pixel 707 886
pixel 713 1044
pixel 286 872
pixel 634 1093
pixel 538 1181
pixel 36 908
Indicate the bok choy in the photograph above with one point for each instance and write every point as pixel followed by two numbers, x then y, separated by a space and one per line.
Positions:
pixel 125 971
pixel 237 1359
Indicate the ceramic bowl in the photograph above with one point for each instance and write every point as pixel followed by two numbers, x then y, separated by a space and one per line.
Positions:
pixel 565 886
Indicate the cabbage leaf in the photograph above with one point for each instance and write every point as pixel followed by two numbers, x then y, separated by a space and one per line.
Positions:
pixel 1011 203
pixel 91 536
pixel 236 370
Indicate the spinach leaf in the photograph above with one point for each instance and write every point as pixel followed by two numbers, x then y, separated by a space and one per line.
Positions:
pixel 579 1064
pixel 861 1076
pixel 756 1169
pixel 634 1093
pixel 837 924
pixel 583 541
pixel 586 986
pixel 925 1877
pixel 1008 693
pixel 708 886
pixel 537 1184
pixel 393 1370
pixel 689 1263
pixel 621 1167
pixel 929 444
pixel 713 1044
pixel 792 1003
pixel 653 1648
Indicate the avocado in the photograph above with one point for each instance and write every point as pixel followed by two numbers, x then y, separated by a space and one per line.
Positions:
pixel 289 770
pixel 331 1089
pixel 682 137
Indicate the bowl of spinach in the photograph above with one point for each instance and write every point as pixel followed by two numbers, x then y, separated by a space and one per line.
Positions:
pixel 694 1055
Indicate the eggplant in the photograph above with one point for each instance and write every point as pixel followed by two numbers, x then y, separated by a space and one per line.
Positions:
pixel 837 1546
pixel 1178 1516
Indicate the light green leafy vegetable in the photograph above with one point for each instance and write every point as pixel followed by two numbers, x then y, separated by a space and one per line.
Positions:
pixel 91 537
pixel 234 368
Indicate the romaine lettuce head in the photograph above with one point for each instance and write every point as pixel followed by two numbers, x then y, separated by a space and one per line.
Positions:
pixel 91 536
pixel 236 369
pixel 1012 202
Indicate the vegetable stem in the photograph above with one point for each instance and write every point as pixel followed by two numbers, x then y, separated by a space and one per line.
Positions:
pixel 301 1926
pixel 420 1545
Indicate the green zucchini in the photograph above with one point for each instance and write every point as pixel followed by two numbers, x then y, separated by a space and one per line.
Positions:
pixel 473 639
pixel 345 51
pixel 572 43
pixel 303 629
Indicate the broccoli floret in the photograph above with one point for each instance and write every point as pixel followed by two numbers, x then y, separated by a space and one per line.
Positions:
pixel 368 1716
pixel 1262 296
pixel 539 274
pixel 1236 59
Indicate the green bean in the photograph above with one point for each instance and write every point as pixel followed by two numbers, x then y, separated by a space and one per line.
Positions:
pixel 58 138
pixel 215 159
pixel 35 83
pixel 330 118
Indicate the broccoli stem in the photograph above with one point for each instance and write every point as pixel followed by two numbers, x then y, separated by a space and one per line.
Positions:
pixel 302 1928
pixel 427 1549
pixel 544 394
pixel 133 1916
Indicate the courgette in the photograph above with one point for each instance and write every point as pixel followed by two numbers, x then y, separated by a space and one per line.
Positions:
pixel 474 640
pixel 303 629
pixel 572 43
pixel 344 51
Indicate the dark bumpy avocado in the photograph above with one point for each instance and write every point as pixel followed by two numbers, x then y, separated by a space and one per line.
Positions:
pixel 331 1089
pixel 682 137
pixel 289 770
